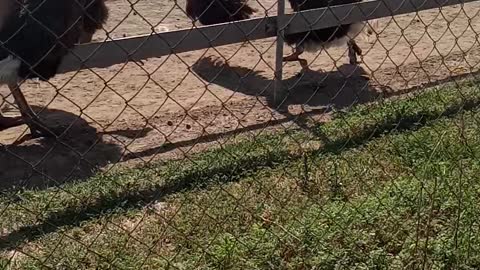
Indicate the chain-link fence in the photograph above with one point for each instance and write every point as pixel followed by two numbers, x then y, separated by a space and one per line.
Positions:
pixel 226 134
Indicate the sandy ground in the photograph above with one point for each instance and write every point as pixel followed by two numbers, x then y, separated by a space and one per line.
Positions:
pixel 173 106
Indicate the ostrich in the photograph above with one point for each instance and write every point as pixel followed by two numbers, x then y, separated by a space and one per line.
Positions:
pixel 324 38
pixel 35 36
pixel 220 11
pixel 209 12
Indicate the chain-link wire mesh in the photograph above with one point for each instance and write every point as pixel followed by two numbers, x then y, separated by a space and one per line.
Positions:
pixel 342 137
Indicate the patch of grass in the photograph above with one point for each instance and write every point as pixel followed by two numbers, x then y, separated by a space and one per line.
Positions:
pixel 416 208
pixel 409 200
pixel 270 175
pixel 3 263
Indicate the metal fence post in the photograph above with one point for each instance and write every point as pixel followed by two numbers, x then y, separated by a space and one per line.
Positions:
pixel 278 91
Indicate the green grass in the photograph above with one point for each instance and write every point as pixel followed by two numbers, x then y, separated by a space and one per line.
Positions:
pixel 391 185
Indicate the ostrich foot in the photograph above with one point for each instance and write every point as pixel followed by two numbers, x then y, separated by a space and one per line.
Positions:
pixel 37 128
pixel 353 51
pixel 9 122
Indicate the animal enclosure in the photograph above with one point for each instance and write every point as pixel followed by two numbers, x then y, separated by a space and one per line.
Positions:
pixel 145 147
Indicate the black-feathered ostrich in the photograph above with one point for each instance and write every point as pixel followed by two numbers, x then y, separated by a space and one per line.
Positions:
pixel 210 12
pixel 220 11
pixel 35 36
pixel 324 38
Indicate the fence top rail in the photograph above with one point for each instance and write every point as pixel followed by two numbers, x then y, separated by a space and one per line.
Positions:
pixel 108 53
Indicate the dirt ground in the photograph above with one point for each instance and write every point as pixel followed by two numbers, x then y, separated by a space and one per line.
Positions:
pixel 173 106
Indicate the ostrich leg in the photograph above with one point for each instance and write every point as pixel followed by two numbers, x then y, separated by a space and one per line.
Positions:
pixel 353 51
pixel 37 128
pixel 295 57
